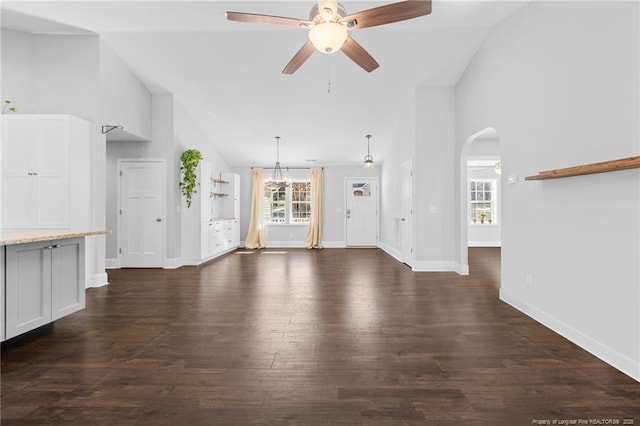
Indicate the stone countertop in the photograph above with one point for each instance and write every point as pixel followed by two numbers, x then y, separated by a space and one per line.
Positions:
pixel 22 236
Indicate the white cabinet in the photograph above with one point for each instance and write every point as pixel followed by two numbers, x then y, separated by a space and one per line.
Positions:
pixel 44 281
pixel 204 237
pixel 46 173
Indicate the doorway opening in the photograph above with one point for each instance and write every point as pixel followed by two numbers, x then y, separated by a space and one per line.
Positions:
pixel 480 194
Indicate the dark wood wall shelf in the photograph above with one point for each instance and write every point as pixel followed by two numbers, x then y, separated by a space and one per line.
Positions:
pixel 588 169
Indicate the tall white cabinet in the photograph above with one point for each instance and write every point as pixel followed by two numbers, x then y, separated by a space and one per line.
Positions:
pixel 46 175
pixel 211 226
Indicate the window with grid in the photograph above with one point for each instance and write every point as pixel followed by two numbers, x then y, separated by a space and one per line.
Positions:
pixel 300 202
pixel 482 200
pixel 288 205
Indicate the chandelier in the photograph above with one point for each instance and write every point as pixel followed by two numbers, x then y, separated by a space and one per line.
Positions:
pixel 278 178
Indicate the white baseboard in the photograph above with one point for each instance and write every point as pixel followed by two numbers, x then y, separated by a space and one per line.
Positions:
pixel 425 266
pixel 485 244
pixel 173 263
pixel 286 244
pixel 334 244
pixel 98 280
pixel 617 360
pixel 429 266
pixel 111 263
pixel 462 269
pixel 198 262
pixel 393 252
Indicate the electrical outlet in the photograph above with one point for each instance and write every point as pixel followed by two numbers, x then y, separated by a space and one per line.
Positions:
pixel 528 279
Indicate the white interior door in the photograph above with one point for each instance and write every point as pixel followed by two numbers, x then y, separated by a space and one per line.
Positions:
pixel 141 228
pixel 362 212
pixel 406 213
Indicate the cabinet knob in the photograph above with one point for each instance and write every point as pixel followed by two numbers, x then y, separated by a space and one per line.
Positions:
pixel 158 220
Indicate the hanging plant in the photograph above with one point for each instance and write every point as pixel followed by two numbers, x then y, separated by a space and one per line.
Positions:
pixel 190 159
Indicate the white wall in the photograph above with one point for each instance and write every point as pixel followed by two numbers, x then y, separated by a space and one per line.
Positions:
pixel 333 234
pixel 17 69
pixel 51 74
pixel 559 82
pixel 161 146
pixel 124 100
pixel 401 150
pixel 434 177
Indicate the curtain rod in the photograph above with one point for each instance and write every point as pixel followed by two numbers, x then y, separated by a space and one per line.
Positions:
pixel 288 168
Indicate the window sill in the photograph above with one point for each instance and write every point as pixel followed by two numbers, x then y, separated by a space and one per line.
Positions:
pixel 484 224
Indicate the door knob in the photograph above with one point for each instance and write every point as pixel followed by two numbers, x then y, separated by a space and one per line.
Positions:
pixel 403 219
pixel 158 220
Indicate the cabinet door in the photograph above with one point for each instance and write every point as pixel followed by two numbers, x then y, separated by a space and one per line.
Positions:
pixel 35 169
pixel 28 287
pixel 67 277
pixel 19 181
pixel 52 143
pixel 235 239
pixel 216 238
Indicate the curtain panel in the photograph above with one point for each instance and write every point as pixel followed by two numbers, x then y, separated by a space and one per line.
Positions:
pixel 314 235
pixel 255 234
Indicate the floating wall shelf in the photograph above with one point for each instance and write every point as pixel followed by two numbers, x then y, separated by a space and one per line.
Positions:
pixel 588 169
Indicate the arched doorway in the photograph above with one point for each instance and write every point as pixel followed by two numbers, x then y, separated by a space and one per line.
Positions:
pixel 476 148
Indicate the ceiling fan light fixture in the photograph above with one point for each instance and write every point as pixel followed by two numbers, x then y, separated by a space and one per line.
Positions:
pixel 328 37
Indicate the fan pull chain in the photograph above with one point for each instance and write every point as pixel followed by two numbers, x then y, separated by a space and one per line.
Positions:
pixel 329 79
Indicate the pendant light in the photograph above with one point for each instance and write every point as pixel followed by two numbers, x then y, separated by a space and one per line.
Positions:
pixel 368 159
pixel 278 178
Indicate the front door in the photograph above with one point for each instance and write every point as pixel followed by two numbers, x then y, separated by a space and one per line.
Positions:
pixel 141 227
pixel 362 212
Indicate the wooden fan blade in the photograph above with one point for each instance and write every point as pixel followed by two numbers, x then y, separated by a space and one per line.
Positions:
pixel 299 58
pixel 357 54
pixel 277 21
pixel 389 13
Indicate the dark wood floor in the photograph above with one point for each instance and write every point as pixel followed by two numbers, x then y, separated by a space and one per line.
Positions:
pixel 336 336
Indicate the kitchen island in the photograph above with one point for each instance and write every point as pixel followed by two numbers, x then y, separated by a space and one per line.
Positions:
pixel 42 277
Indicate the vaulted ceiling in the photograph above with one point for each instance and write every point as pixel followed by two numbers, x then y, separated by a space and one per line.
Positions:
pixel 227 75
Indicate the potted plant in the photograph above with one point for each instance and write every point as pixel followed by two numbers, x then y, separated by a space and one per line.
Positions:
pixel 189 163
pixel 482 217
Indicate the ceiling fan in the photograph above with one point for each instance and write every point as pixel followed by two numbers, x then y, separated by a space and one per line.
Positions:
pixel 329 26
